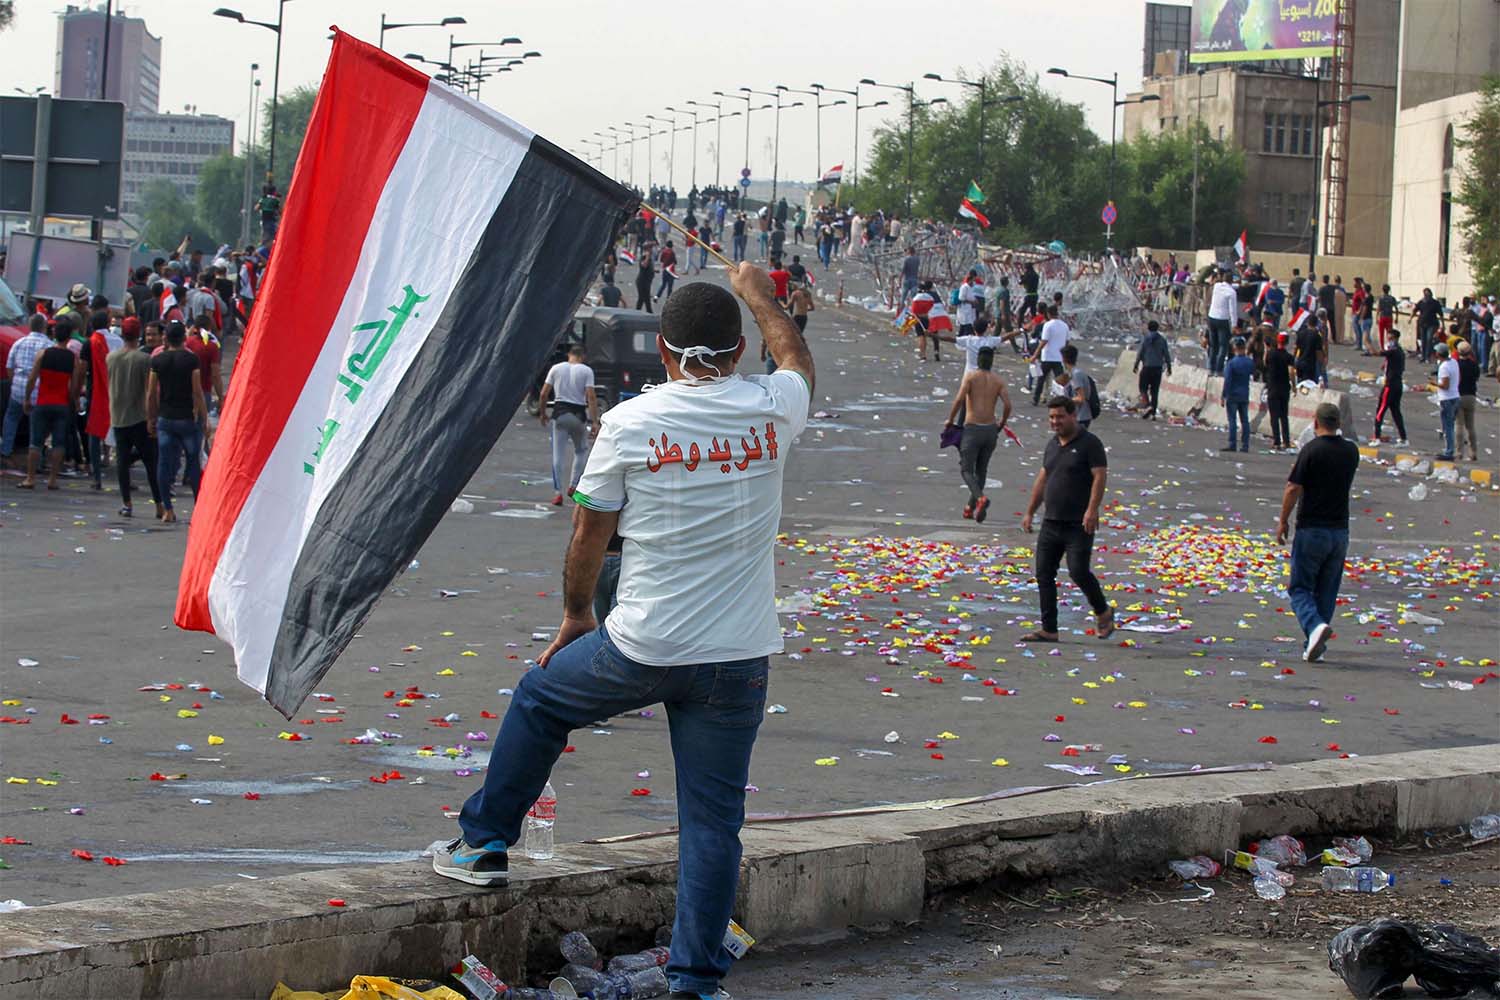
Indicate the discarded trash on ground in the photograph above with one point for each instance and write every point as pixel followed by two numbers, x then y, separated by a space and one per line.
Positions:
pixel 1374 959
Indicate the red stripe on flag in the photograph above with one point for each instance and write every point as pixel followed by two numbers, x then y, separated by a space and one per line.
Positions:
pixel 365 110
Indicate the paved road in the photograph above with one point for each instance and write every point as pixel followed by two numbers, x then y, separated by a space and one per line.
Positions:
pixel 901 619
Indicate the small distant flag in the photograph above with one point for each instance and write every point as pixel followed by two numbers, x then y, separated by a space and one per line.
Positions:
pixel 833 175
pixel 1298 318
pixel 625 256
pixel 1242 246
pixel 1260 296
pixel 975 195
pixel 967 210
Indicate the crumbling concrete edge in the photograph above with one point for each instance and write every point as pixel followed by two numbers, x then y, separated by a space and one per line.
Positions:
pixel 798 881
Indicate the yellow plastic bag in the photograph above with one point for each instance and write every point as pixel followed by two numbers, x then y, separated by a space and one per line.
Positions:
pixel 371 988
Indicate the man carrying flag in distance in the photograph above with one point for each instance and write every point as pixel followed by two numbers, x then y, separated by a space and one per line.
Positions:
pixel 690 476
pixel 345 442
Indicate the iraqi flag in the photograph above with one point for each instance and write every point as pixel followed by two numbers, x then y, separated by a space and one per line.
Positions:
pixel 938 320
pixel 626 256
pixel 1298 318
pixel 1260 295
pixel 833 175
pixel 1242 246
pixel 429 252
pixel 967 210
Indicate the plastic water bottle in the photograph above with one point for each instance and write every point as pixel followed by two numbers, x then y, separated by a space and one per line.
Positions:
pixel 650 982
pixel 1195 867
pixel 1364 879
pixel 1486 826
pixel 1269 889
pixel 639 962
pixel 577 949
pixel 541 818
pixel 1287 851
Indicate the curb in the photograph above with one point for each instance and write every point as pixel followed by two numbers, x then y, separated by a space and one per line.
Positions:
pixel 798 880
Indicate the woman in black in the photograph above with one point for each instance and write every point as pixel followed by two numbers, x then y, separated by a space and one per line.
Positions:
pixel 1390 393
pixel 1468 399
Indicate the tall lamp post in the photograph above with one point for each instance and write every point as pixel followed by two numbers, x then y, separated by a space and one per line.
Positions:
pixel 818 107
pixel 718 120
pixel 600 151
pixel 984 103
pixel 776 143
pixel 671 124
pixel 777 96
pixel 1312 249
pixel 694 180
pixel 1197 141
pixel 911 120
pixel 746 98
pixel 391 26
pixel 1113 83
pixel 614 148
pixel 250 157
pixel 235 15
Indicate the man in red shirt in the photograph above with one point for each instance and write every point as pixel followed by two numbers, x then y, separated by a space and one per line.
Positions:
pixel 780 277
pixel 668 261
pixel 204 344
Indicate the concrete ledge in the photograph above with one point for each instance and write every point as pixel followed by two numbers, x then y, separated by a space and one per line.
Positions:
pixel 798 880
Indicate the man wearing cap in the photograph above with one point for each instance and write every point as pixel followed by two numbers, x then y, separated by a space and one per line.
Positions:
pixel 1318 487
pixel 1280 375
pixel 1445 386
pixel 690 474
pixel 1235 394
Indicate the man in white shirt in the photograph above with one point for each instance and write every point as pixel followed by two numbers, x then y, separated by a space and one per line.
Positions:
pixel 1222 306
pixel 1049 351
pixel 975 341
pixel 570 387
pixel 1446 388
pixel 690 475
pixel 967 293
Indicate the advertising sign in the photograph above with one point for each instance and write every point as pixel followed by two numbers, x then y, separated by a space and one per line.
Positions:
pixel 1252 30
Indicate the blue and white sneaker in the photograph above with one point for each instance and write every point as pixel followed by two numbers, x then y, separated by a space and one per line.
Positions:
pixel 488 865
pixel 718 994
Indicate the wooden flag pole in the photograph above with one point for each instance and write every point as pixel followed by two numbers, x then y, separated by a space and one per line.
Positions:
pixel 692 236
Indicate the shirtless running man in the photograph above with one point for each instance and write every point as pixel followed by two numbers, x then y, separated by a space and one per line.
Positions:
pixel 978 396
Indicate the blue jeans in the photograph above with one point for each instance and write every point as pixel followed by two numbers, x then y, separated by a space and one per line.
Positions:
pixel 1448 413
pixel 739 249
pixel 1317 570
pixel 713 711
pixel 173 436
pixel 1361 329
pixel 13 413
pixel 1239 410
pixel 764 242
pixel 1218 345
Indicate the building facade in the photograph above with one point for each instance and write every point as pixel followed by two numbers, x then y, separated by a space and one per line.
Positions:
pixel 1270 114
pixel 1447 47
pixel 172 148
pixel 134 64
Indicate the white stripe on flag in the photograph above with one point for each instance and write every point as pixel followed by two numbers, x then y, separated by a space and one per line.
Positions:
pixel 422 236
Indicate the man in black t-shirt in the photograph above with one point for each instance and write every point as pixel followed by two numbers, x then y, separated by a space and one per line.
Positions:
pixel 1320 480
pixel 1429 321
pixel 1071 481
pixel 176 414
pixel 1280 370
pixel 1309 351
pixel 1390 392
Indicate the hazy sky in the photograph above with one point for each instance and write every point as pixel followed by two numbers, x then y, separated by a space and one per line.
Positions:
pixel 605 62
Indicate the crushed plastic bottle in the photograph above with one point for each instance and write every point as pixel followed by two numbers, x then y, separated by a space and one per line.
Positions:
pixel 1348 851
pixel 580 981
pixel 461 506
pixel 649 959
pixel 541 819
pixel 1364 879
pixel 1269 889
pixel 577 949
pixel 1261 868
pixel 1285 850
pixel 1417 492
pixel 1486 826
pixel 1195 867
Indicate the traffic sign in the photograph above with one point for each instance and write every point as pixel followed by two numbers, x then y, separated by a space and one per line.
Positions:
pixel 1109 216
pixel 744 171
pixel 744 182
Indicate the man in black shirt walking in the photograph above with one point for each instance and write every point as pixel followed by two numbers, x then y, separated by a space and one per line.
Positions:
pixel 1071 480
pixel 1320 480
pixel 1390 393
pixel 1280 372
pixel 1429 321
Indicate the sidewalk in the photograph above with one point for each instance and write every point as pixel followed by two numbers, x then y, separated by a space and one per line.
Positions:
pixel 802 880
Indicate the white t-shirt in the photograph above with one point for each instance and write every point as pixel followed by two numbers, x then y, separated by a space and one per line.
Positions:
pixel 695 471
pixel 568 382
pixel 972 344
pixel 1448 370
pixel 1225 303
pixel 1054 339
pixel 967 293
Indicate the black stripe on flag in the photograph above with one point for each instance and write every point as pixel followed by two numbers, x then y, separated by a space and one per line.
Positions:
pixel 530 269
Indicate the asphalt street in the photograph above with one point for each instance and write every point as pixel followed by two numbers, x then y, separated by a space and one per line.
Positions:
pixel 123 737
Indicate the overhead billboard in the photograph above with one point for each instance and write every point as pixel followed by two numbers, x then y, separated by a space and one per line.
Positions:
pixel 1255 30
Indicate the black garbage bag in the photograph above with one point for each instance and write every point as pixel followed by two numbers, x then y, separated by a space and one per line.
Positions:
pixel 1374 959
pixel 1455 963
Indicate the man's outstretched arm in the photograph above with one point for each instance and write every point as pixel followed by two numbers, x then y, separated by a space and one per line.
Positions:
pixel 781 335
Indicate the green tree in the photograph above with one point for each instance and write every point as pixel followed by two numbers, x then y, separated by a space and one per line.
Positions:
pixel 293 112
pixel 1154 185
pixel 1479 188
pixel 221 196
pixel 167 215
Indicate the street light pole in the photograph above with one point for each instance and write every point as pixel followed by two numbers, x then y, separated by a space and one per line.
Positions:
pixel 1113 83
pixel 391 26
pixel 1197 133
pixel 746 98
pixel 235 15
pixel 1318 106
pixel 911 124
pixel 718 136
pixel 250 160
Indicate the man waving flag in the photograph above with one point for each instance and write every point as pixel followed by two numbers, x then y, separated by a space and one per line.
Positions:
pixel 428 251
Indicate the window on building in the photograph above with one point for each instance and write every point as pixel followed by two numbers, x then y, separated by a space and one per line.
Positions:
pixel 1448 148
pixel 1445 229
pixel 1294 138
pixel 1265 142
pixel 1281 133
pixel 1307 135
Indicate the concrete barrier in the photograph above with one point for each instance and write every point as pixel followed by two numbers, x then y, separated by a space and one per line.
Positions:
pixel 1123 382
pixel 798 880
pixel 1182 392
